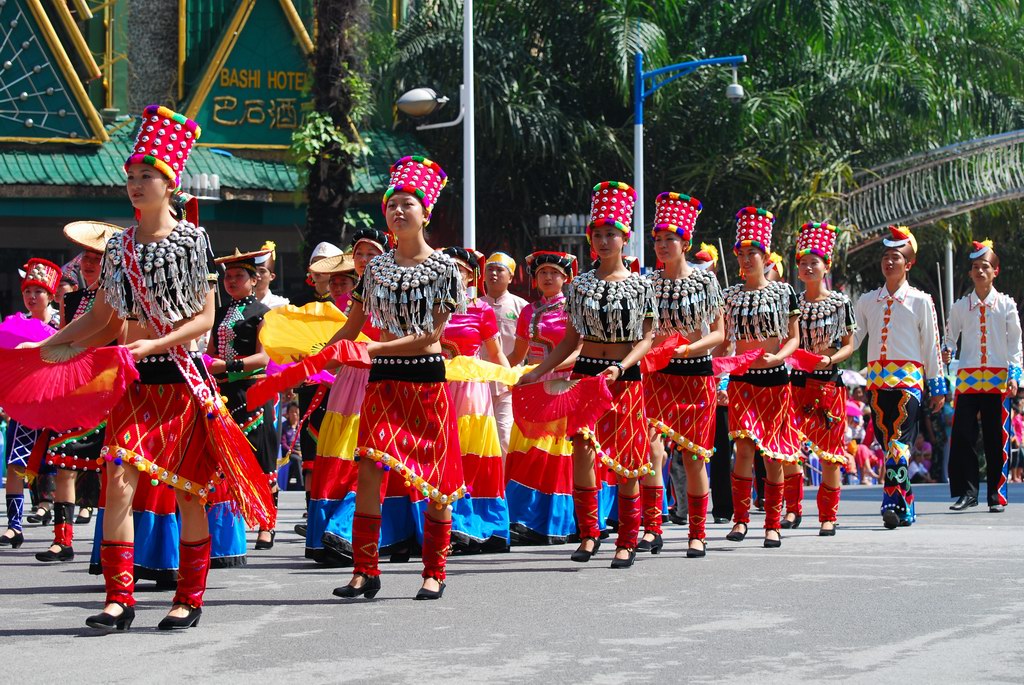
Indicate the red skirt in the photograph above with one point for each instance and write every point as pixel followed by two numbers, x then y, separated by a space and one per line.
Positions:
pixel 819 413
pixel 410 427
pixel 760 411
pixel 683 408
pixel 621 434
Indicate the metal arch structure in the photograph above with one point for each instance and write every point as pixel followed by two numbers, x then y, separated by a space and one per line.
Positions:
pixel 934 185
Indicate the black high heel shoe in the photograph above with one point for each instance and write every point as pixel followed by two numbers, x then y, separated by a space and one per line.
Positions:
pixel 772 544
pixel 189 620
pixel 583 556
pixel 827 532
pixel 266 544
pixel 736 536
pixel 43 518
pixel 65 553
pixel 14 541
pixel 84 516
pixel 653 546
pixel 424 593
pixel 624 563
pixel 369 588
pixel 795 523
pixel 692 553
pixel 401 556
pixel 108 622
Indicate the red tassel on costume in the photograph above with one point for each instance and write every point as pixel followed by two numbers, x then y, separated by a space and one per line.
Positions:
pixel 365 541
pixel 651 499
pixel 192 570
pixel 437 538
pixel 629 521
pixel 795 494
pixel 118 560
pixel 828 503
pixel 741 498
pixel 696 514
pixel 585 503
pixel 772 505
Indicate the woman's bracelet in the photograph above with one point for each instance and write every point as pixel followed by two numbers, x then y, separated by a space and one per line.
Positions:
pixel 235 366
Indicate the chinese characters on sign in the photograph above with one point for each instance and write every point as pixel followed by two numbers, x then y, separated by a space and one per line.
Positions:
pixel 276 113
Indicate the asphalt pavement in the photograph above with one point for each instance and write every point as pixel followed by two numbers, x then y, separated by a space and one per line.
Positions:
pixel 940 602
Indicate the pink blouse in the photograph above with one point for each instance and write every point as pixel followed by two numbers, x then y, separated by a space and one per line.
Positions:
pixel 542 324
pixel 466 333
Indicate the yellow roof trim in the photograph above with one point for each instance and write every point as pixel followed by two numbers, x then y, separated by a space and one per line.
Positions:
pixel 77 39
pixel 92 117
pixel 220 56
pixel 298 28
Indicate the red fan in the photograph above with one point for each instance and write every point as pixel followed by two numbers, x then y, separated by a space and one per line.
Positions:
pixel 560 408
pixel 660 355
pixel 344 351
pixel 802 360
pixel 63 388
pixel 738 364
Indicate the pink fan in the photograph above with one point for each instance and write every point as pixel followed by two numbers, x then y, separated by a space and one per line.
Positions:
pixel 560 408
pixel 18 328
pixel 80 391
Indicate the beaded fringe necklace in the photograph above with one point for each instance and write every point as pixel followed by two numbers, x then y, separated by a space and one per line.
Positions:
pixel 174 270
pixel 757 314
pixel 401 299
pixel 823 322
pixel 612 311
pixel 687 304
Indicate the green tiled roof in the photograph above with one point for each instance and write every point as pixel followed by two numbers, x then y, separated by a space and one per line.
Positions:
pixel 101 166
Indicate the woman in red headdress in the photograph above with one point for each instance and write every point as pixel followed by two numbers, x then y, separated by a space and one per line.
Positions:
pixel 760 314
pixel 613 313
pixel 680 397
pixel 160 278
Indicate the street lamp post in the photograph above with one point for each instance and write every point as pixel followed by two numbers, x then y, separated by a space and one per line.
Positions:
pixel 641 91
pixel 421 102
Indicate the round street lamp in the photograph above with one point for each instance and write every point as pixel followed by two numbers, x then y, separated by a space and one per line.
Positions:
pixel 420 102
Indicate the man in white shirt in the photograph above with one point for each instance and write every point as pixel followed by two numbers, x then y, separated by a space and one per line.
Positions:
pixel 266 273
pixel 987 325
pixel 497 276
pixel 903 358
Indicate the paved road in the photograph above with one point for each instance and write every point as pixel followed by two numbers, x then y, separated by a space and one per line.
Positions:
pixel 940 602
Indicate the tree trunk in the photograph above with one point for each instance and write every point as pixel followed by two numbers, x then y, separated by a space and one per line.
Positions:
pixel 338 55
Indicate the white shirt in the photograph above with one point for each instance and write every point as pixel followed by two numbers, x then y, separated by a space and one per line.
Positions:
pixel 900 328
pixel 506 310
pixel 273 301
pixel 993 342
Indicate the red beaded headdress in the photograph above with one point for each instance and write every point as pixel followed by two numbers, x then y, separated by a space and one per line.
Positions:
pixel 417 176
pixel 611 204
pixel 563 261
pixel 754 228
pixel 42 273
pixel 677 213
pixel 818 238
pixel 164 142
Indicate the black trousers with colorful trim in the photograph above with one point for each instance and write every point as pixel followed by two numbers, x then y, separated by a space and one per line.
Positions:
pixel 894 413
pixel 987 412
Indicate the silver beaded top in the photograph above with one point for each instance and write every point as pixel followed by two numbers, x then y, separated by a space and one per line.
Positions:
pixel 759 314
pixel 687 304
pixel 401 299
pixel 611 311
pixel 824 324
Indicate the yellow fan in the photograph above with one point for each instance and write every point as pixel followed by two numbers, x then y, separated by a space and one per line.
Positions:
pixel 292 333
pixel 464 368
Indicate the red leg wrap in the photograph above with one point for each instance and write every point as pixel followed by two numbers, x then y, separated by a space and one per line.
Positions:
pixel 437 539
pixel 795 494
pixel 828 503
pixel 192 570
pixel 696 513
pixel 585 501
pixel 741 498
pixel 651 497
pixel 629 521
pixel 365 541
pixel 63 523
pixel 773 505
pixel 118 560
